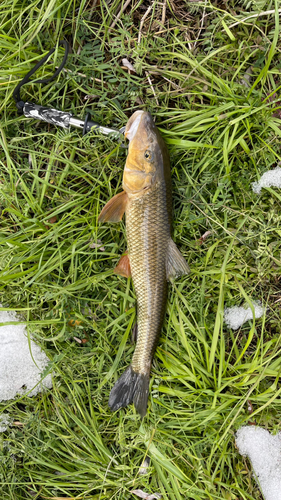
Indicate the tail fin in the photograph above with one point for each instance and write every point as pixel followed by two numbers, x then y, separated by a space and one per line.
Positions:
pixel 131 387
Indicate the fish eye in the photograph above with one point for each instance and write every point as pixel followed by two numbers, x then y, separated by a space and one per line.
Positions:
pixel 148 155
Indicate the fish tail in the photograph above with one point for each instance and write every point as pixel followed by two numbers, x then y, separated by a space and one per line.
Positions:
pixel 131 387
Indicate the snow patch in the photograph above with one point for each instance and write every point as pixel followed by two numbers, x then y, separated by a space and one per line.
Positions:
pixel 264 451
pixel 144 467
pixel 268 179
pixel 18 372
pixel 234 317
pixel 146 496
pixel 5 421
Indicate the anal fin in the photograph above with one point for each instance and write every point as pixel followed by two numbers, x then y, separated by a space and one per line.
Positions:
pixel 176 264
pixel 114 210
pixel 134 336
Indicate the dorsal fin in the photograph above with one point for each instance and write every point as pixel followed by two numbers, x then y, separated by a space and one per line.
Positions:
pixel 176 264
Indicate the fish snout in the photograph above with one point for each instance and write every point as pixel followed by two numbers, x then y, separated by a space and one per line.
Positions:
pixel 133 125
pixel 140 123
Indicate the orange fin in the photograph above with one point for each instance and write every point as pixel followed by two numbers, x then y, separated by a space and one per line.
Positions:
pixel 114 210
pixel 123 267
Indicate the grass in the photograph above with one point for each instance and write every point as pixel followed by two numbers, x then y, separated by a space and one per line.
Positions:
pixel 223 134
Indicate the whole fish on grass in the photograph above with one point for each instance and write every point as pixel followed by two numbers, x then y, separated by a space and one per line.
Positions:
pixel 152 257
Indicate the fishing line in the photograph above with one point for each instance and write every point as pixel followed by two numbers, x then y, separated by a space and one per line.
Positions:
pixel 55 116
pixel 16 94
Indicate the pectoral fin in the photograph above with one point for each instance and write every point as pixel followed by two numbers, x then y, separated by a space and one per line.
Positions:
pixel 176 264
pixel 114 210
pixel 123 267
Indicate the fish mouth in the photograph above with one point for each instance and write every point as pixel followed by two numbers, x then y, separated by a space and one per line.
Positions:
pixel 133 125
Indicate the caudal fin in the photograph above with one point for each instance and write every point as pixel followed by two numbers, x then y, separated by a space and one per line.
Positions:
pixel 131 387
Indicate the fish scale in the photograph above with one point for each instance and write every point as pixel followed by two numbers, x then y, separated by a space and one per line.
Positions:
pixel 147 244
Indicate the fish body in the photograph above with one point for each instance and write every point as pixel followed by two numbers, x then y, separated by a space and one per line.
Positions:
pixel 152 256
pixel 148 233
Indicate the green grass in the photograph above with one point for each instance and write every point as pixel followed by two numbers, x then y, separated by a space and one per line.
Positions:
pixel 222 136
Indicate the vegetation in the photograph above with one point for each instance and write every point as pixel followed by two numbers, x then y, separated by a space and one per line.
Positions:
pixel 209 72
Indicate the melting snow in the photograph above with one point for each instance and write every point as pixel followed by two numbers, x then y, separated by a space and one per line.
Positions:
pixel 18 373
pixel 144 466
pixel 5 421
pixel 268 179
pixel 234 317
pixel 146 496
pixel 264 451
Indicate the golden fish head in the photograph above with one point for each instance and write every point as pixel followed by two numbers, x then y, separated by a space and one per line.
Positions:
pixel 147 153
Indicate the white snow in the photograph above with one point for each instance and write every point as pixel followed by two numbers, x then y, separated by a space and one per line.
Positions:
pixel 146 496
pixel 268 179
pixel 144 466
pixel 234 317
pixel 264 451
pixel 128 65
pixel 18 373
pixel 5 421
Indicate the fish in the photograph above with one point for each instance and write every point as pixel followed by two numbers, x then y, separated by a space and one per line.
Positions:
pixel 152 257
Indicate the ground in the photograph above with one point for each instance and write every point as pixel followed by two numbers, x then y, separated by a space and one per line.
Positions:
pixel 209 72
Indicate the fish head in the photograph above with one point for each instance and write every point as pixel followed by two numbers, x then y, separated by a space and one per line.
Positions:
pixel 147 158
